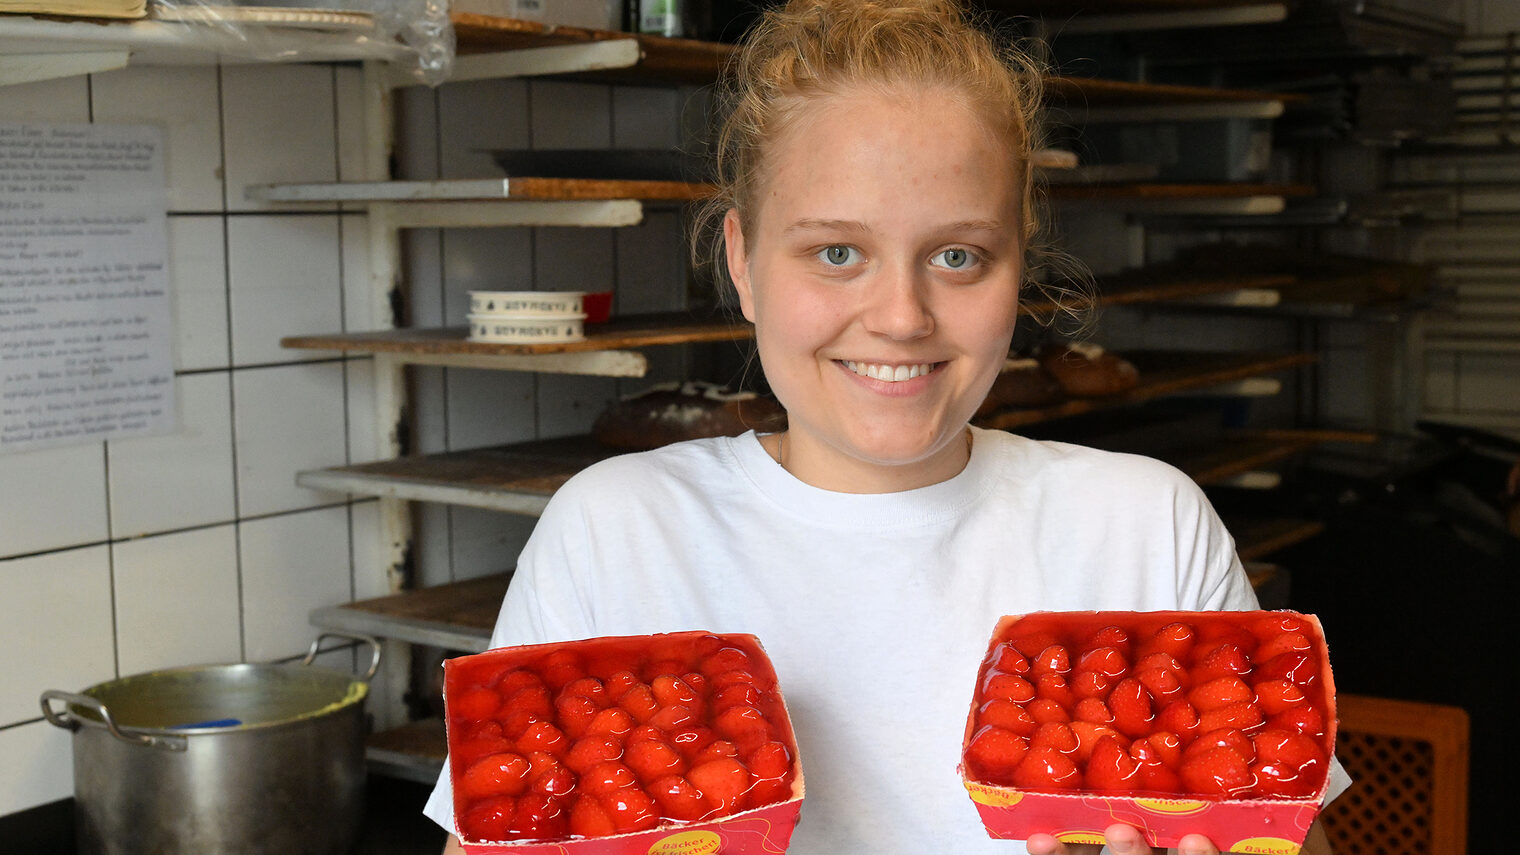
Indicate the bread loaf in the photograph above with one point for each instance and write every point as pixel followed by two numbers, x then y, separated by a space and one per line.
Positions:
pixel 672 412
pixel 1089 371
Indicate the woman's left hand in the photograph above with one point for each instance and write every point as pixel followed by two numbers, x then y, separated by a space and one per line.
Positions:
pixel 1122 840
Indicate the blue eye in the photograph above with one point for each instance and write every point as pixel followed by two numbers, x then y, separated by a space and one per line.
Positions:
pixel 839 255
pixel 955 258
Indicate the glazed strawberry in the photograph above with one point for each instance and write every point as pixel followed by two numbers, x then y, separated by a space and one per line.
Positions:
pixel 679 799
pixel 1160 660
pixel 1220 692
pixel 489 818
pixel 1088 734
pixel 592 749
pixel 516 680
pixel 643 733
pixel 638 701
pixel 1130 702
pixel 697 682
pixel 1244 716
pixel 1175 639
pixel 994 753
pixel 1045 709
pixel 606 777
pixel 670 690
pixel 631 809
pixel 1165 747
pixel 739 694
pixel 585 687
pixel 1296 668
pixel 691 740
pixel 1288 642
pixel 1221 660
pixel 1107 661
pixel 548 776
pixel 575 714
pixel 561 668
pixel 1007 715
pixel 1057 735
pixel 1053 687
pixel 475 704
pixel 717 749
pixel 1222 738
pixel 725 659
pixel 746 727
pixel 1006 658
pixel 1159 778
pixel 654 758
pixel 1091 684
pixel 1289 765
pixel 1093 710
pixel 533 700
pixel 1111 769
pixel 722 782
pixel 542 736
pixel 1109 636
pixel 1164 684
pixel 613 721
pixel 1275 696
pixel 1179 717
pixel 1008 687
pixel 662 668
pixel 1218 771
pixel 769 760
pixel 539 816
pixel 1211 633
pixel 1302 719
pixel 503 774
pixel 1054 659
pixel 671 718
pixel 588 818
pixel 619 682
pixel 735 677
pixel 1030 643
pixel 1046 769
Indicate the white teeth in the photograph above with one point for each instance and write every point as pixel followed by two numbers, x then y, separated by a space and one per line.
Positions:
pixel 889 373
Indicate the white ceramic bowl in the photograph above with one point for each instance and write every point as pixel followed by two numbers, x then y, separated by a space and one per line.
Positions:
pixel 538 304
pixel 519 329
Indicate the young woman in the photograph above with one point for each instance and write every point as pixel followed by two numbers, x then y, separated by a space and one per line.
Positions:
pixel 877 210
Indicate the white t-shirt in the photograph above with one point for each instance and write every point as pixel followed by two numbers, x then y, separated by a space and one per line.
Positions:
pixel 876 609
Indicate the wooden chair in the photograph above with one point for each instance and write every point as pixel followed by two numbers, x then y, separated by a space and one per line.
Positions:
pixel 1408 761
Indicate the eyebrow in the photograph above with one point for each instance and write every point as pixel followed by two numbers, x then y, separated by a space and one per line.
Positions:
pixel 855 226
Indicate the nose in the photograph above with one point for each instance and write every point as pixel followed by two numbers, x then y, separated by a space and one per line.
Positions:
pixel 897 306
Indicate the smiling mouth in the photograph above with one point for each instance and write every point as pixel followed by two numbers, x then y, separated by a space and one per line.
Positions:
pixel 890 373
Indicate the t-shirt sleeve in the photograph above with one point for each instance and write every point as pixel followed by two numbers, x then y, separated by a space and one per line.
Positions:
pixel 546 601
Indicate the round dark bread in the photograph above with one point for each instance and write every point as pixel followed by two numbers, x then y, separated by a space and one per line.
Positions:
pixel 1089 371
pixel 1024 382
pixel 672 412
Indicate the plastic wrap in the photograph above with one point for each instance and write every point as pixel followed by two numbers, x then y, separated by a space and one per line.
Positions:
pixel 414 35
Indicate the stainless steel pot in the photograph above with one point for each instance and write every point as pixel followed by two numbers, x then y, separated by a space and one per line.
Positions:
pixel 243 759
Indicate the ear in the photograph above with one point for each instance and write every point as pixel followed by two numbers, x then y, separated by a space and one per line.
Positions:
pixel 738 262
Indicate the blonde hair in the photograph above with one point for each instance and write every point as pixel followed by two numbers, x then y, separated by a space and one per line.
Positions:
pixel 809 49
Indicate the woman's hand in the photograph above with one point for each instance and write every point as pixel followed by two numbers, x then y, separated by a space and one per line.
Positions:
pixel 1122 840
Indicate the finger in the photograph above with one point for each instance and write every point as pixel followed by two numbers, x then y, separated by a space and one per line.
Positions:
pixel 1196 844
pixel 1126 840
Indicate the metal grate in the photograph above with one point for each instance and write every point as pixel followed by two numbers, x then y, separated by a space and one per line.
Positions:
pixel 1388 810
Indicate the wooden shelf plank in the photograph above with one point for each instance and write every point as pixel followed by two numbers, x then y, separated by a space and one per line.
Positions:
pixel 457 616
pixel 1164 284
pixel 1097 92
pixel 1162 373
pixel 1235 454
pixel 1258 538
pixel 662 61
pixel 412 752
pixel 482 190
pixel 520 478
pixel 1159 191
pixel 632 331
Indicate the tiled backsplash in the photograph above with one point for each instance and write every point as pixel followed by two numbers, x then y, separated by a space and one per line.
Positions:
pixel 198 546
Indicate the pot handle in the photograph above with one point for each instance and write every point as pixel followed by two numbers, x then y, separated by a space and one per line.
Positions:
pixel 68 721
pixel 374 645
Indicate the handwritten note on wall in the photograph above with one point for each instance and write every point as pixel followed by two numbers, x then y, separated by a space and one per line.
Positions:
pixel 85 329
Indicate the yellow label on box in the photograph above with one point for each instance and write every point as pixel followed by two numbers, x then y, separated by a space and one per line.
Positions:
pixel 687 843
pixel 1171 807
pixel 993 797
pixel 1079 837
pixel 1265 846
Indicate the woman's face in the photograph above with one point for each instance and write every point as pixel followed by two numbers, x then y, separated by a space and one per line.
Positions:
pixel 881 269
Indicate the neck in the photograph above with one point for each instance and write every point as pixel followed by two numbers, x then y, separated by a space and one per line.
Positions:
pixel 829 469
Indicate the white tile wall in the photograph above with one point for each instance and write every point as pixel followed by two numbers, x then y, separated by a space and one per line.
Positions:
pixel 177 600
pixel 292 563
pixel 38 763
pixel 65 100
pixel 180 479
pixel 53 498
pixel 286 278
pixel 182 101
pixel 198 291
pixel 287 418
pixel 485 543
pixel 279 127
pixel 56 631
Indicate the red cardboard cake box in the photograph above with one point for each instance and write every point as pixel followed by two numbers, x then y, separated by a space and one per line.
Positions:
pixel 1213 723
pixel 675 743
